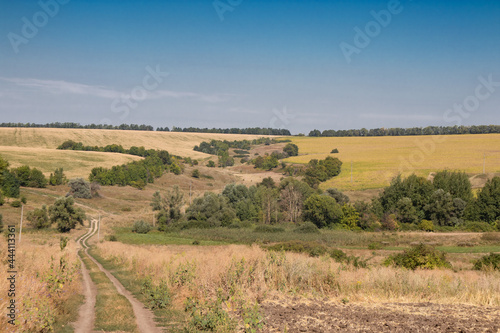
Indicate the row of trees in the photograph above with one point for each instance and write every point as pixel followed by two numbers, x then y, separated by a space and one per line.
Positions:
pixel 113 148
pixel 413 202
pixel 429 130
pixel 135 127
pixel 131 127
pixel 137 173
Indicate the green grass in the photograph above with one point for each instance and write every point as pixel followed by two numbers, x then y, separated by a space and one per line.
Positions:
pixel 124 235
pixel 168 318
pixel 113 311
pixel 473 249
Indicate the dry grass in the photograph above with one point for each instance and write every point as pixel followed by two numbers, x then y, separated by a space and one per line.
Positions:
pixel 176 143
pixel 74 163
pixel 40 301
pixel 376 160
pixel 252 274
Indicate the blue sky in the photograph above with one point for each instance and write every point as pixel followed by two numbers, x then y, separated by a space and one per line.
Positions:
pixel 242 63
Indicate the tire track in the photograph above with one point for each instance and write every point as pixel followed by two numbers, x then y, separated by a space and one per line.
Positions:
pixel 144 317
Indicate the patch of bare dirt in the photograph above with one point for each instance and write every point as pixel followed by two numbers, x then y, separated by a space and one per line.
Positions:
pixel 320 316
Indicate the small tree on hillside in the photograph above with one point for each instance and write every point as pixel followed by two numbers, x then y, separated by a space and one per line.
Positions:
pixel 80 188
pixel 58 178
pixel 168 207
pixel 10 185
pixel 65 214
pixel 291 149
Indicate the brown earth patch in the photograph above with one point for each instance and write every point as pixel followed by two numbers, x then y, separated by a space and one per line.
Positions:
pixel 321 316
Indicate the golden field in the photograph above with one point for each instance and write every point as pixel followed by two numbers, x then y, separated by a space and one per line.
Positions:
pixel 176 143
pixel 376 160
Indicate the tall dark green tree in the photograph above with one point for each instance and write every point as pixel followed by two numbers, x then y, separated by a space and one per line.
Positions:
pixel 65 214
pixel 322 210
pixel 487 205
pixel 454 182
pixel 10 185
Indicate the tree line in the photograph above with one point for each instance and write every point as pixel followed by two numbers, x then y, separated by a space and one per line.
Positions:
pixel 429 130
pixel 143 127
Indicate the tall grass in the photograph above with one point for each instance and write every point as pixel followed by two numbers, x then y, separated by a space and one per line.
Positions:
pixel 48 289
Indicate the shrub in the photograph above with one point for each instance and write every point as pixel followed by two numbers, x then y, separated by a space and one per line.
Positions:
pixel 291 149
pixel 211 164
pixel 488 262
pixel 374 246
pixel 112 238
pixel 158 297
pixel 80 188
pixel 338 255
pixel 314 249
pixel 268 229
pixel 426 225
pixel 39 218
pixel 196 173
pixel 1 223
pixel 334 151
pixel 477 227
pixel 141 227
pixel 307 228
pixel 420 256
pixel 16 203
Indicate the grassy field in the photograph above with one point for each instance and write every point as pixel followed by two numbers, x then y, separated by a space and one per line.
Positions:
pixel 376 160
pixel 176 143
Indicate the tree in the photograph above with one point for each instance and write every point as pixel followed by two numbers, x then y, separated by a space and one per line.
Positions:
pixel 268 200
pixel 211 164
pixel 39 218
pixel 58 178
pixel 456 183
pixel 80 188
pixel 195 173
pixel 293 192
pixel 322 210
pixel 37 179
pixel 65 214
pixel 168 207
pixel 291 149
pixel 4 166
pixel 350 217
pixel 487 205
pixel 10 185
pixel 444 210
pixel 212 209
pixel 406 211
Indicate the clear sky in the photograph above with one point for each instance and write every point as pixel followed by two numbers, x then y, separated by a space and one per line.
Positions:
pixel 290 64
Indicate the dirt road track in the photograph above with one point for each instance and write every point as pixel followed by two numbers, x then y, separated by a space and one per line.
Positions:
pixel 144 317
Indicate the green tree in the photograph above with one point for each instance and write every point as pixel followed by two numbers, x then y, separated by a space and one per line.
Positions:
pixel 39 218
pixel 487 205
pixel 212 209
pixel 406 211
pixel 58 177
pixel 456 183
pixel 10 185
pixel 37 179
pixel 444 210
pixel 4 166
pixel 322 210
pixel 293 193
pixel 65 214
pixel 350 217
pixel 340 197
pixel 291 149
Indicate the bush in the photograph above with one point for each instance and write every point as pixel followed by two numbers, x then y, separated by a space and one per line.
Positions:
pixel 268 229
pixel 314 249
pixel 1 223
pixel 39 218
pixel 141 227
pixel 488 262
pixel 307 228
pixel 16 203
pixel 420 256
pixel 112 238
pixel 334 151
pixel 338 255
pixel 477 227
pixel 426 225
pixel 196 173
pixel 158 297
pixel 80 188
pixel 211 164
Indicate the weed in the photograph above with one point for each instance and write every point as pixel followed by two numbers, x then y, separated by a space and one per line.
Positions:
pixel 158 297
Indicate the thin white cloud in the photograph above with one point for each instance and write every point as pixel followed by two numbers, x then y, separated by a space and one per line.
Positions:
pixel 398 116
pixel 58 87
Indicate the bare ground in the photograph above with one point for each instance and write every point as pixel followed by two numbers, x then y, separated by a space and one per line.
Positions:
pixel 322 316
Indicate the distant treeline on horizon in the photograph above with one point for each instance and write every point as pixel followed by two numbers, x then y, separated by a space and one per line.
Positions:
pixel 135 127
pixel 396 131
pixel 429 130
